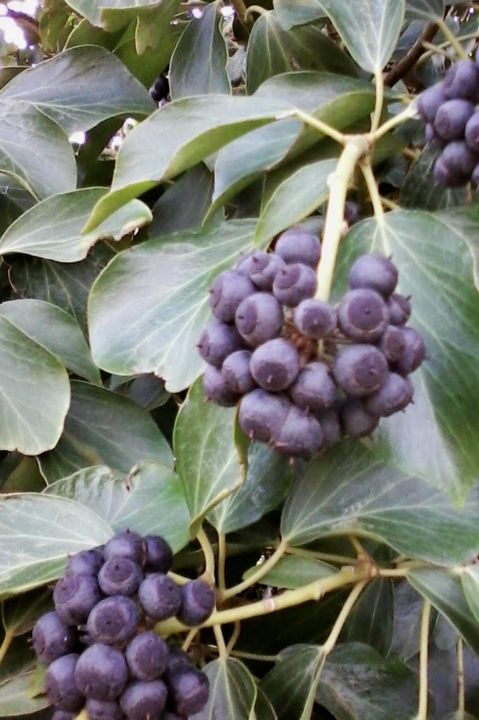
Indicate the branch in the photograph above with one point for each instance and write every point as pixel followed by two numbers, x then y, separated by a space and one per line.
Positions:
pixel 406 63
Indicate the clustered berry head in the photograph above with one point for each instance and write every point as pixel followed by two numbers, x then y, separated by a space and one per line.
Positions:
pixel 449 110
pixel 303 372
pixel 98 646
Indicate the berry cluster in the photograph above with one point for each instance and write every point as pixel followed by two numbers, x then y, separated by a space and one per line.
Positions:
pixel 305 372
pixel 100 651
pixel 449 110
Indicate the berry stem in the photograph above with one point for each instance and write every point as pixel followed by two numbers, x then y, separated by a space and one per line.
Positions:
pixel 189 639
pixel 342 617
pixel 407 114
pixel 234 637
pixel 447 32
pixel 257 575
pixel 7 641
pixel 208 553
pixel 461 692
pixel 373 190
pixel 221 561
pixel 319 125
pixel 220 642
pixel 378 108
pixel 242 14
pixel 354 149
pixel 423 661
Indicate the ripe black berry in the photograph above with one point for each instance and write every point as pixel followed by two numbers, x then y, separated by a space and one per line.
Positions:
pixel 160 596
pixel 315 318
pixel 261 414
pixel 120 576
pixel 330 426
pixel 373 272
pixel 259 318
pixel 300 435
pixel 159 555
pixel 455 164
pixel 101 672
pixel 189 691
pixel 294 283
pixel 216 388
pixel 147 656
pixel 414 353
pixel 114 620
pixel 472 131
pixel 60 685
pixel 451 118
pixel 297 245
pixel 363 315
pixel 352 212
pixel 399 309
pixel 52 638
pixel 394 395
pixel 462 81
pixel 236 372
pixel 275 365
pixel 314 388
pixel 360 370
pixel 357 422
pixel 392 343
pixel 86 562
pixel 144 700
pixel 262 268
pixel 197 602
pixel 103 710
pixel 126 544
pixel 430 101
pixel 75 596
pixel 63 715
pixel 227 292
pixel 217 341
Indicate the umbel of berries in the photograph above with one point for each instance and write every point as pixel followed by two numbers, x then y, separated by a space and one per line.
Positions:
pixel 99 647
pixel 304 372
pixel 452 122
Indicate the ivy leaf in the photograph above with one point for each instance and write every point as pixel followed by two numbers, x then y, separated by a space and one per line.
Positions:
pixel 139 324
pixel 15 699
pixel 20 614
pixel 65 527
pixel 371 619
pixel 198 63
pixel 291 684
pixel 419 189
pixel 426 9
pixel 470 586
pixel 233 692
pixel 149 499
pixel 104 428
pixel 184 204
pixel 292 572
pixel 298 13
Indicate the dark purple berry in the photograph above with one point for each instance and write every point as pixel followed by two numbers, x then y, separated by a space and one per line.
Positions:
pixel 114 620
pixel 197 602
pixel 399 309
pixel 237 373
pixel 414 353
pixel 472 131
pixel 144 700
pixel 392 343
pixel 178 660
pixel 262 268
pixel 315 318
pixel 475 175
pixel 352 212
pixel 101 672
pixel 297 245
pixel 160 596
pixel 294 283
pixel 160 89
pixel 275 365
pixel 189 691
pixel 357 422
pixel 314 388
pixel 394 394
pixel 103 710
pixel 147 656
pixel 60 685
pixel 374 272
pixel 75 596
pixel 86 562
pixel 261 414
pixel 120 576
pixel 126 544
pixel 52 638
pixel 363 315
pixel 455 164
pixel 63 715
pixel 217 341
pixel 216 388
pixel 300 434
pixel 227 292
pixel 429 133
pixel 360 370
pixel 330 426
pixel 159 555
pixel 259 318
pixel 451 119
pixel 462 81
pixel 429 102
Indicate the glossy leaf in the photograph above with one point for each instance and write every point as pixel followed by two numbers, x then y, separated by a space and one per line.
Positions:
pixel 93 10
pixel 371 619
pixel 149 307
pixel 104 428
pixel 70 89
pixel 35 393
pixel 352 489
pixel 15 698
pixel 291 684
pixel 148 500
pixel 233 691
pixel 63 526
pixel 20 614
pixel 470 586
pixel 52 229
pixel 426 9
pixel 301 11
pixel 198 64
pixel 292 572
pixel 56 331
pixel 419 189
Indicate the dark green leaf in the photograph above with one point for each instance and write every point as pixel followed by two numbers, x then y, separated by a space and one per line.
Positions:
pixel 419 190
pixel 15 698
pixel 470 586
pixel 184 204
pixel 93 10
pixel 426 9
pixel 20 614
pixel 293 572
pixel 291 684
pixel 233 691
pixel 371 619
pixel 301 11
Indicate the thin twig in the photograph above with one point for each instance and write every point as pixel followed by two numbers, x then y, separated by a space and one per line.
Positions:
pixel 424 661
pixel 403 66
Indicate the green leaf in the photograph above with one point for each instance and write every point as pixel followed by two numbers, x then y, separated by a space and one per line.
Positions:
pixel 70 89
pixel 139 324
pixel 104 428
pixel 470 586
pixel 183 205
pixel 294 199
pixel 357 684
pixel 198 64
pixel 15 698
pixel 263 708
pixel 93 10
pixel 291 684
pixel 192 129
pixel 426 9
pixel 431 252
pixel 407 621
pixel 233 691
pixel 272 51
pixel 63 526
pixel 419 189
pixel 351 489
pixel 371 41
pixel 292 572
pixel 148 500
pixel 446 594
pixel 52 229
pixel 35 393
pixel 371 619
pixel 27 137
pixel 56 331
pixel 298 13
pixel 20 614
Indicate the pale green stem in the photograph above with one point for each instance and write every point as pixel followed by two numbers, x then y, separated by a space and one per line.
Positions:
pixel 203 540
pixel 373 190
pixel 189 639
pixel 257 9
pixel 220 642
pixel 378 108
pixel 446 30
pixel 339 180
pixel 221 561
pixel 424 661
pixel 461 693
pixel 262 570
pixel 319 125
pixel 342 617
pixel 82 716
pixel 327 557
pixel 234 637
pixel 440 46
pixel 407 114
pixel 7 641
